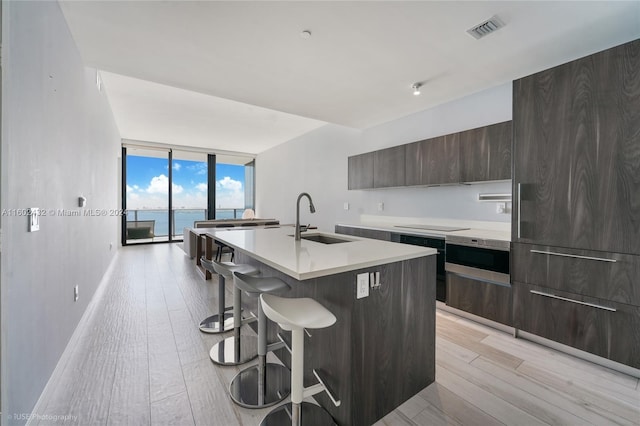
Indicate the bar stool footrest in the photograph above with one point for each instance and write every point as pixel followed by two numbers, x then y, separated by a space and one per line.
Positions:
pixel 275 346
pixel 286 345
pixel 332 395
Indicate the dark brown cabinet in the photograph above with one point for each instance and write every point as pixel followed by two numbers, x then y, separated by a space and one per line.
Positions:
pixel 433 161
pixel 604 328
pixel 609 276
pixel 477 155
pixel 361 171
pixel 577 153
pixel 576 204
pixel 485 153
pixel 491 301
pixel 388 167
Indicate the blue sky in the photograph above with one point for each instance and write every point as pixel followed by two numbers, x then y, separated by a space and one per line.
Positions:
pixel 148 183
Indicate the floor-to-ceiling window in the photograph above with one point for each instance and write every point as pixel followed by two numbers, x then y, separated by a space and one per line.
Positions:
pixel 232 187
pixel 147 195
pixel 189 190
pixel 166 190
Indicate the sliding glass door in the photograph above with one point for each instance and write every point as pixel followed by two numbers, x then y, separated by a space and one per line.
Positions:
pixel 189 191
pixel 167 190
pixel 147 178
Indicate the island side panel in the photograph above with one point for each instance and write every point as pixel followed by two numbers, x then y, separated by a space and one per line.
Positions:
pixel 381 351
pixel 394 344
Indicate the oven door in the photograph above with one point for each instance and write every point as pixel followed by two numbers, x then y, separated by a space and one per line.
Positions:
pixel 478 263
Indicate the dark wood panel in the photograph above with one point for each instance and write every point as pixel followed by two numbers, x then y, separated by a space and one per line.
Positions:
pixel 613 335
pixel 485 153
pixel 360 171
pixel 394 345
pixel 582 327
pixel 480 298
pixel 365 354
pixel 605 280
pixel 388 167
pixel 433 161
pixel 364 233
pixel 624 335
pixel 577 148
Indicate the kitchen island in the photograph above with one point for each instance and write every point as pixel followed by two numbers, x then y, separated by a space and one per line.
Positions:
pixel 381 350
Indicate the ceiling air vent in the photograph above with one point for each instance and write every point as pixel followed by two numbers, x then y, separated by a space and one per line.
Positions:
pixel 486 28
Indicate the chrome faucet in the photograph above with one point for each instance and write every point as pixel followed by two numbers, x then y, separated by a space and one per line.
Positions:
pixel 311 208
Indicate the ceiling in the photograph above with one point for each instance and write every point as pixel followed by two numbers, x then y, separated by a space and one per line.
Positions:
pixel 238 76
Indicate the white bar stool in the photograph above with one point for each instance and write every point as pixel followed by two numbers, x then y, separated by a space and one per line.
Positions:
pixel 297 315
pixel 221 322
pixel 264 384
pixel 237 349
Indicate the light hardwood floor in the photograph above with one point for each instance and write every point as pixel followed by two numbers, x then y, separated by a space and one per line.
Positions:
pixel 139 359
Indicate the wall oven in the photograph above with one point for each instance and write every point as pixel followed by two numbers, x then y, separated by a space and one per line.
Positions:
pixel 479 259
pixel 432 242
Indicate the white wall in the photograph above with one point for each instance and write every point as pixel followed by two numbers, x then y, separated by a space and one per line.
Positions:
pixel 59 141
pixel 317 163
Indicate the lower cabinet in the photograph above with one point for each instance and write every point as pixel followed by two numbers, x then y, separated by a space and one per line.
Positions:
pixel 487 300
pixel 364 233
pixel 604 328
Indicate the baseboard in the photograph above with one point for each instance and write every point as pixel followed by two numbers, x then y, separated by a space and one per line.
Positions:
pixel 613 365
pixel 475 318
pixel 73 342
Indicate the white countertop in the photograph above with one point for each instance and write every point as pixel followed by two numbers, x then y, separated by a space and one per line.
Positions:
pixel 309 259
pixel 488 234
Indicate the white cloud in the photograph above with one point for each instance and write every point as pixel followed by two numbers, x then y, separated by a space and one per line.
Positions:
pixel 129 188
pixel 201 186
pixel 160 185
pixel 177 166
pixel 229 193
pixel 229 184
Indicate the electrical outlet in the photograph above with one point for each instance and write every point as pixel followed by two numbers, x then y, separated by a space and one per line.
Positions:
pixel 75 294
pixel 362 285
pixel 380 206
pixel 34 219
pixel 501 208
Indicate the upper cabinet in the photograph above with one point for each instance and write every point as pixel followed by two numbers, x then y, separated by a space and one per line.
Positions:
pixel 485 153
pixel 477 155
pixel 433 161
pixel 577 153
pixel 361 171
pixel 388 167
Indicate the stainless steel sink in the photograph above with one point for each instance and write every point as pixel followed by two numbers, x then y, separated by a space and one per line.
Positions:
pixel 324 239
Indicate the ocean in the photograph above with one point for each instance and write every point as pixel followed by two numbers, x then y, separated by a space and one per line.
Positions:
pixel 183 218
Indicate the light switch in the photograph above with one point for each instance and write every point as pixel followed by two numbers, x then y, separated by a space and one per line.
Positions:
pixel 346 206
pixel 362 285
pixel 380 206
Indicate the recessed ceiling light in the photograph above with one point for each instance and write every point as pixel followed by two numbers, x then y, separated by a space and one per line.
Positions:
pixel 416 88
pixel 305 34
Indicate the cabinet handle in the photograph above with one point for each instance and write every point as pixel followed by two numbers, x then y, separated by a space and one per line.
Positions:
pixel 519 206
pixel 553 296
pixel 601 259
